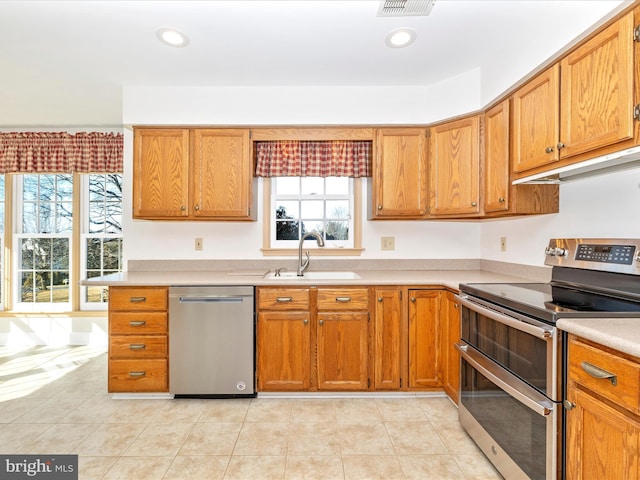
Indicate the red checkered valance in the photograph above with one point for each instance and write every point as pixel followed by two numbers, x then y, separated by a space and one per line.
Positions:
pixel 298 158
pixel 61 152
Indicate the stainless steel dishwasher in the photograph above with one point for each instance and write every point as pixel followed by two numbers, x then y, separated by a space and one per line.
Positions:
pixel 212 342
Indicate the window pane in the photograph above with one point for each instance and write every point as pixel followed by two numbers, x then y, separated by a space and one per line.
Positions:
pixel 312 209
pixel 113 218
pixel 287 230
pixel 337 231
pixel 287 210
pixel 312 227
pixel 27 287
pixel 288 185
pixel 64 218
pixel 312 186
pixel 337 209
pixel 112 254
pixel 60 254
pixel 94 254
pixel 26 254
pixel 337 185
pixel 30 188
pixel 64 188
pixel 42 252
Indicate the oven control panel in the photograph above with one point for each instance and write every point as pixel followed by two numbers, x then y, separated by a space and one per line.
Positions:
pixel 612 255
pixel 622 254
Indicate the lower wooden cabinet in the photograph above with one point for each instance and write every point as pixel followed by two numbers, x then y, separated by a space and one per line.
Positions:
pixel 138 342
pixel 449 365
pixel 384 338
pixel 603 425
pixel 424 310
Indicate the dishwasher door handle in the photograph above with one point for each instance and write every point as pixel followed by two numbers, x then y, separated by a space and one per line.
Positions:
pixel 221 299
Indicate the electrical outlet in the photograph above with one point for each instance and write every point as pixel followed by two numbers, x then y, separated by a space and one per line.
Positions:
pixel 387 243
pixel 503 244
pixel 199 243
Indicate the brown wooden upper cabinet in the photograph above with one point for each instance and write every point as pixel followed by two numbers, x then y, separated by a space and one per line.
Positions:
pixel 496 158
pixel 454 164
pixel 399 188
pixel 581 106
pixel 192 174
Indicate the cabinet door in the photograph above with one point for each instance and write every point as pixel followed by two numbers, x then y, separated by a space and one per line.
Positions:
pixel 400 173
pixel 496 158
pixel 597 90
pixel 283 351
pixel 454 162
pixel 536 117
pixel 342 351
pixel 160 173
pixel 449 336
pixel 222 174
pixel 601 441
pixel 388 330
pixel 423 338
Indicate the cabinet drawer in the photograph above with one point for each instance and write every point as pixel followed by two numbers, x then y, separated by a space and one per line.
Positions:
pixel 343 299
pixel 283 298
pixel 626 391
pixel 137 346
pixel 138 322
pixel 137 298
pixel 138 376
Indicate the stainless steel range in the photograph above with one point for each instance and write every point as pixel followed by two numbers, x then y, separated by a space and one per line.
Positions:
pixel 513 358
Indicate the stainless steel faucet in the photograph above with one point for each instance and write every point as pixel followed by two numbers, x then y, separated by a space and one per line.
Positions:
pixel 302 266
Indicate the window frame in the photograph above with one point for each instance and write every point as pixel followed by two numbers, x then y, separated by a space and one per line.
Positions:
pixel 77 257
pixel 268 209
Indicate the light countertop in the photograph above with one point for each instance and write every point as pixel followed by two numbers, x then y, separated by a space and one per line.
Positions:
pixel 622 334
pixel 447 278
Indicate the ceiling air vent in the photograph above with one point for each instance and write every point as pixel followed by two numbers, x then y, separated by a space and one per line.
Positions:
pixel 405 8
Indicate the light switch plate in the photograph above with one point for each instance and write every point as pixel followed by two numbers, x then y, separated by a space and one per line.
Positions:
pixel 198 244
pixel 387 243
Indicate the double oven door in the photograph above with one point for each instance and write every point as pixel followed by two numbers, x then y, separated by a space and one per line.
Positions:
pixel 510 392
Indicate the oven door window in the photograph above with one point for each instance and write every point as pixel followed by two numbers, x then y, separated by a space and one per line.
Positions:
pixel 523 354
pixel 518 430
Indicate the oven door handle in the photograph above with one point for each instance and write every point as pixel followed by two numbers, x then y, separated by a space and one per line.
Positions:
pixel 506 381
pixel 507 319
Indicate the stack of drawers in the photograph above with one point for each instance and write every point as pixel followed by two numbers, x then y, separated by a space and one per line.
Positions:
pixel 138 346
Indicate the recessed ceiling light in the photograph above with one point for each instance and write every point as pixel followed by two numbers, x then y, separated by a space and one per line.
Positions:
pixel 172 37
pixel 401 37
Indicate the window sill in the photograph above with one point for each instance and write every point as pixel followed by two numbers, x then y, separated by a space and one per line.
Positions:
pixel 314 252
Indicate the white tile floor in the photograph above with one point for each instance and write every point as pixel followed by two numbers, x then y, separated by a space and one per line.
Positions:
pixel 54 400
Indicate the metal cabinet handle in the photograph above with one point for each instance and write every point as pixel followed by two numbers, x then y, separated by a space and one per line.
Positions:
pixel 183 208
pixel 560 145
pixel 137 323
pixel 413 299
pixel 548 149
pixel 284 299
pixel 501 199
pixel 197 207
pixel 343 299
pixel 379 207
pixel 137 299
pixel 321 322
pixel 597 372
pixel 137 374
pixel 306 321
pixel 456 306
pixel 473 204
pixel 137 346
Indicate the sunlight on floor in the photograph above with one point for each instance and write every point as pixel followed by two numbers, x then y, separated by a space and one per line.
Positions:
pixel 24 370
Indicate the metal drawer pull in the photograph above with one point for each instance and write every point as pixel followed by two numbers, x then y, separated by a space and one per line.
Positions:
pixel 137 299
pixel 597 372
pixel 284 299
pixel 137 346
pixel 137 323
pixel 343 299
pixel 137 374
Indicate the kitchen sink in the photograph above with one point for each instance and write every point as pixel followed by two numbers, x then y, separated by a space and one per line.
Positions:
pixel 319 275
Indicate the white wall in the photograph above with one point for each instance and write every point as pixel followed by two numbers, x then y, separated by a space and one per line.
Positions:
pixel 606 206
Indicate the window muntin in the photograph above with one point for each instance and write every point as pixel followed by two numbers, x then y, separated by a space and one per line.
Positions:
pixel 43 241
pixel 312 204
pixel 102 235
